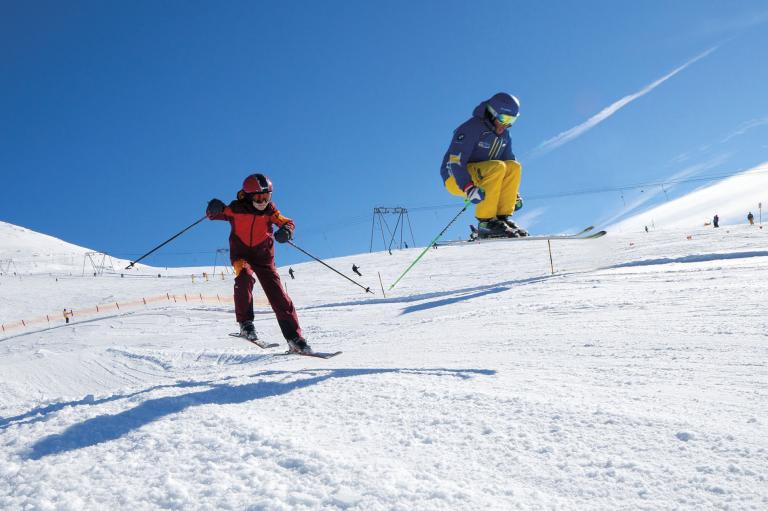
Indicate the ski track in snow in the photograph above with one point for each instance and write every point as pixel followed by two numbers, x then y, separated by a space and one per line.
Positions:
pixel 633 378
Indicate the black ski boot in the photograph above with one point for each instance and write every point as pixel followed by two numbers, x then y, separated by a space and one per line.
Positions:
pixel 298 345
pixel 493 228
pixel 248 331
pixel 519 232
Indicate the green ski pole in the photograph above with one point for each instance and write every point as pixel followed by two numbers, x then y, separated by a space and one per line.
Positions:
pixel 431 243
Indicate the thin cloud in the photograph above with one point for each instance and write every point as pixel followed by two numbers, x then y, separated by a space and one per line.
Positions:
pixel 754 123
pixel 567 136
pixel 530 217
pixel 737 23
pixel 743 128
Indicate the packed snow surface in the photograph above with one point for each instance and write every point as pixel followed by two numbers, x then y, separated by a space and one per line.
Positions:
pixel 634 377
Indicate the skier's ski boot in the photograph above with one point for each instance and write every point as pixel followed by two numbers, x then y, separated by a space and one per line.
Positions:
pixel 517 232
pixel 493 228
pixel 248 331
pixel 298 345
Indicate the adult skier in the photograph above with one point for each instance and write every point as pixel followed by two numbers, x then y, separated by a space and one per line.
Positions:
pixel 251 250
pixel 479 165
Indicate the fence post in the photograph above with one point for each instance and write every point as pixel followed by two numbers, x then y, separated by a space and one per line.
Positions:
pixel 551 264
pixel 382 285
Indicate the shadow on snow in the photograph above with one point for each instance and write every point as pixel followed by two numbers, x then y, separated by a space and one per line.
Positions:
pixel 41 412
pixel 697 258
pixel 104 428
pixel 455 299
pixel 457 295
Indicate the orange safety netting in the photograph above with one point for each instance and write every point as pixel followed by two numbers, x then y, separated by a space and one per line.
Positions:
pixel 68 314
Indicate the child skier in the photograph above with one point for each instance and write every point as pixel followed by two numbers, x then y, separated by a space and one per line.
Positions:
pixel 479 165
pixel 251 250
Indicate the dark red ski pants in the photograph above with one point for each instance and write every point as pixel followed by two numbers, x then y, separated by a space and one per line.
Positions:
pixel 265 271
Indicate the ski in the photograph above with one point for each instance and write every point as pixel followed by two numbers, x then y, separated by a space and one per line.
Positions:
pixel 316 354
pixel 592 236
pixel 260 344
pixel 584 234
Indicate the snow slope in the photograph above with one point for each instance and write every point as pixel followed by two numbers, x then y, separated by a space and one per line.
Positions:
pixel 633 378
pixel 731 199
pixel 26 252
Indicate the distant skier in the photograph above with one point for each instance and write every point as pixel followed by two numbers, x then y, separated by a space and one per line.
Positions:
pixel 290 272
pixel 716 221
pixel 356 269
pixel 751 218
pixel 251 250
pixel 479 165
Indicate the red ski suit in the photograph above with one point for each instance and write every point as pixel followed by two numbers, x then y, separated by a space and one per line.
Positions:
pixel 252 251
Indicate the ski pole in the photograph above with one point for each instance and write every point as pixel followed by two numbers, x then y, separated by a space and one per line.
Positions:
pixel 431 243
pixel 164 243
pixel 367 289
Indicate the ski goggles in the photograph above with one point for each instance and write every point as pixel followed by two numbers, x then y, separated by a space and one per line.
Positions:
pixel 259 196
pixel 504 119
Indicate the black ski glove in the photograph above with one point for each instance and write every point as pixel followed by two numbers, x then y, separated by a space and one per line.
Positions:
pixel 215 207
pixel 283 234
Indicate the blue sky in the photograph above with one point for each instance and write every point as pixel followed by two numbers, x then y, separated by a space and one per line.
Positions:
pixel 121 119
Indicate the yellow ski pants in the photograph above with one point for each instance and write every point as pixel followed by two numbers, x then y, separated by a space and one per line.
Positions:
pixel 501 182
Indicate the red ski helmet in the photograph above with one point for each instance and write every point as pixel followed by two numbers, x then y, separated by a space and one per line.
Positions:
pixel 257 183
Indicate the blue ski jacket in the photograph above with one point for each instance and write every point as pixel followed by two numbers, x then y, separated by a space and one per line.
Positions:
pixel 474 141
